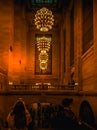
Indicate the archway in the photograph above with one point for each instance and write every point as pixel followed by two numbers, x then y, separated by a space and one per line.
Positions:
pixel 86 114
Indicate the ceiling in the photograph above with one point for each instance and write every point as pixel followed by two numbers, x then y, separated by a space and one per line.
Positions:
pixel 55 5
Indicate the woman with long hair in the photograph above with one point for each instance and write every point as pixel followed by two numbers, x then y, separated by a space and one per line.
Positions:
pixel 19 117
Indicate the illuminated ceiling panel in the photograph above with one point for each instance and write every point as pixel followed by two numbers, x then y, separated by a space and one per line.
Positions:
pixel 54 5
pixel 43 2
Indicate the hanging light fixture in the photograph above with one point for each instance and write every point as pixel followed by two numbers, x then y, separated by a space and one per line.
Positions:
pixel 44 19
pixel 43 58
pixel 43 65
pixel 43 44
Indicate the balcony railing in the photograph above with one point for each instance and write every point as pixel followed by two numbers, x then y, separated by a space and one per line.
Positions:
pixel 41 87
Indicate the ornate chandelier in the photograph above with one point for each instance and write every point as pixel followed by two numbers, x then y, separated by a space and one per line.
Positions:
pixel 43 44
pixel 44 19
pixel 43 58
pixel 43 65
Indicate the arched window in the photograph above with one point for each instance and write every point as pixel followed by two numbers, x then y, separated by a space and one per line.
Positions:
pixel 87 33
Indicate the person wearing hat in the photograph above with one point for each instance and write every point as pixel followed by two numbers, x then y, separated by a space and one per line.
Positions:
pixel 66 118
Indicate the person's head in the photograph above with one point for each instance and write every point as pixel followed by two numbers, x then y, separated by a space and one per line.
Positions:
pixel 19 107
pixel 67 102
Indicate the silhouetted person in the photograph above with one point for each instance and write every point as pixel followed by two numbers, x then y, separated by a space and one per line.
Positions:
pixel 19 117
pixel 32 113
pixel 66 119
pixel 72 82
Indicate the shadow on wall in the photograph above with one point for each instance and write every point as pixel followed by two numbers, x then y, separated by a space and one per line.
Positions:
pixel 86 114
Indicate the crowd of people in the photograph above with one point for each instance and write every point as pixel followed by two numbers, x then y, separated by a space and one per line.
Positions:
pixel 59 117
